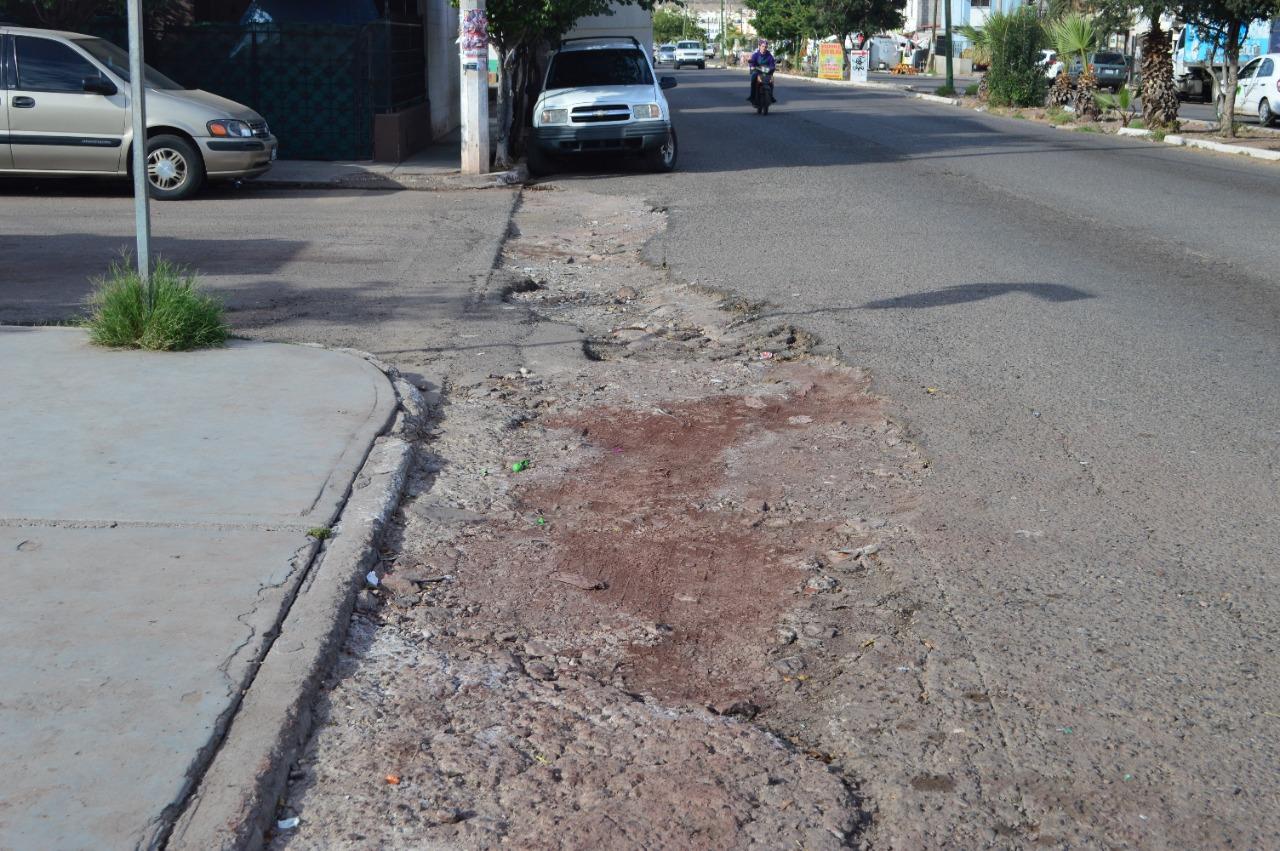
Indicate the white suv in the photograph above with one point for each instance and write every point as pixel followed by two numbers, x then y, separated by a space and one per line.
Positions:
pixel 602 96
pixel 690 53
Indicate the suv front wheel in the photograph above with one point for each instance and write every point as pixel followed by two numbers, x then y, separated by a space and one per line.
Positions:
pixel 175 169
pixel 663 157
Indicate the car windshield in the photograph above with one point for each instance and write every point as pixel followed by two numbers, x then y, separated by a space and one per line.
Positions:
pixel 1108 59
pixel 117 62
pixel 690 45
pixel 599 68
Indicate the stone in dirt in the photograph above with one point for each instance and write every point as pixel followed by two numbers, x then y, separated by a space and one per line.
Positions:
pixel 577 580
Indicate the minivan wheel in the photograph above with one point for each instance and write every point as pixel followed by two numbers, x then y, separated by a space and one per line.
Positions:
pixel 175 169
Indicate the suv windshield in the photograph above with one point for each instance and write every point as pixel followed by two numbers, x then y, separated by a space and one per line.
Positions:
pixel 1108 59
pixel 689 45
pixel 117 62
pixel 599 68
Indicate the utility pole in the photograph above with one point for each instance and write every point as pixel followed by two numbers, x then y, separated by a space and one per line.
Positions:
pixel 951 77
pixel 473 50
pixel 141 182
pixel 723 60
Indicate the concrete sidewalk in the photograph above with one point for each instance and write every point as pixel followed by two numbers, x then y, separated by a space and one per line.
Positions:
pixel 437 167
pixel 153 533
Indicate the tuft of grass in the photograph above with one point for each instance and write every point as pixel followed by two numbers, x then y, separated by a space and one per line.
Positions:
pixel 320 533
pixel 945 91
pixel 1059 117
pixel 1017 113
pixel 971 90
pixel 170 314
pixel 1086 128
pixel 1158 134
pixel 1138 124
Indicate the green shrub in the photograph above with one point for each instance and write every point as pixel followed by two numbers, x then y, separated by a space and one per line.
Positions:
pixel 169 314
pixel 971 90
pixel 945 91
pixel 1014 79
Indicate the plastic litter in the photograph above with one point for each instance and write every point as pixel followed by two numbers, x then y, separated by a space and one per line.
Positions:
pixel 288 823
pixel 372 578
pixel 766 356
pixel 541 521
pixel 932 391
pixel 521 465
pixel 393 779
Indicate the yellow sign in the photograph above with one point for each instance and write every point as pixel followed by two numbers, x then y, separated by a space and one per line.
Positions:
pixel 830 61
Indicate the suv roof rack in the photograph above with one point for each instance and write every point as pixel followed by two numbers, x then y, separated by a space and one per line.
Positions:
pixel 629 38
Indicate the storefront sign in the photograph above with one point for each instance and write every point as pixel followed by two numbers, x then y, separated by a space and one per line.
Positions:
pixel 830 61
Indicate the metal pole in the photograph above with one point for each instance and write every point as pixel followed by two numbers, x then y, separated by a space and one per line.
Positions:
pixel 951 77
pixel 138 105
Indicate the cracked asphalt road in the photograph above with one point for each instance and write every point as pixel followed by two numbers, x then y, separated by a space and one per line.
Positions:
pixel 1083 335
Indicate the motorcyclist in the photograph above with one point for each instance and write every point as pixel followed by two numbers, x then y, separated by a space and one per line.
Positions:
pixel 762 60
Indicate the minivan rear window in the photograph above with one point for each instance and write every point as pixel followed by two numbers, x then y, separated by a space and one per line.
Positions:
pixel 1108 59
pixel 690 45
pixel 599 68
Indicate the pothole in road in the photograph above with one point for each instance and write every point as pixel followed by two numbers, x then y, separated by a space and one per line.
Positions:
pixel 593 619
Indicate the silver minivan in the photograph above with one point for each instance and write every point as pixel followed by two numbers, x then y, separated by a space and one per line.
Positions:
pixel 65 111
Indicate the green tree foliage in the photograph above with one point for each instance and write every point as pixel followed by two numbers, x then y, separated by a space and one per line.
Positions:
pixel 670 25
pixel 1075 38
pixel 843 18
pixel 784 20
pixel 1015 41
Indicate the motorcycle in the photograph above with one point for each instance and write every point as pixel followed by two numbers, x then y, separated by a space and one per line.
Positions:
pixel 763 90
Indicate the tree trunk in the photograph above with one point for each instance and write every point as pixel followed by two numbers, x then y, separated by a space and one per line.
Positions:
pixel 502 144
pixel 1159 97
pixel 1086 106
pixel 1232 57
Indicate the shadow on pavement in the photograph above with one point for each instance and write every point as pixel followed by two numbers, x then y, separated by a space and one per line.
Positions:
pixel 964 293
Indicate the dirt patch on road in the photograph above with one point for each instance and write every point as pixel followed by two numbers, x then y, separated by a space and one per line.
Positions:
pixel 613 590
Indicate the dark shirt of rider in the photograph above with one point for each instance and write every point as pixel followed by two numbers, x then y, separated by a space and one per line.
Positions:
pixel 763 58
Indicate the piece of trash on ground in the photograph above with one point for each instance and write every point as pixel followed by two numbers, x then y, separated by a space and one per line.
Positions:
pixel 372 578
pixel 766 355
pixel 288 823
pixel 393 779
pixel 521 466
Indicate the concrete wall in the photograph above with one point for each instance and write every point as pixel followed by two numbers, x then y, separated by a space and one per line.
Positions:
pixel 625 20
pixel 444 80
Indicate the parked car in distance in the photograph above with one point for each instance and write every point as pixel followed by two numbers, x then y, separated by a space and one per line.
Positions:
pixel 601 95
pixel 68 114
pixel 1258 90
pixel 1109 68
pixel 710 52
pixel 690 53
pixel 666 53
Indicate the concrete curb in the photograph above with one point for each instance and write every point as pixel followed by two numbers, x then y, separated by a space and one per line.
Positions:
pixel 235 801
pixel 516 176
pixel 1134 132
pixel 1223 148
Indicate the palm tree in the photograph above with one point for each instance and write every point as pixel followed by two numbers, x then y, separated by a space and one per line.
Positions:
pixel 979 51
pixel 983 40
pixel 1074 35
